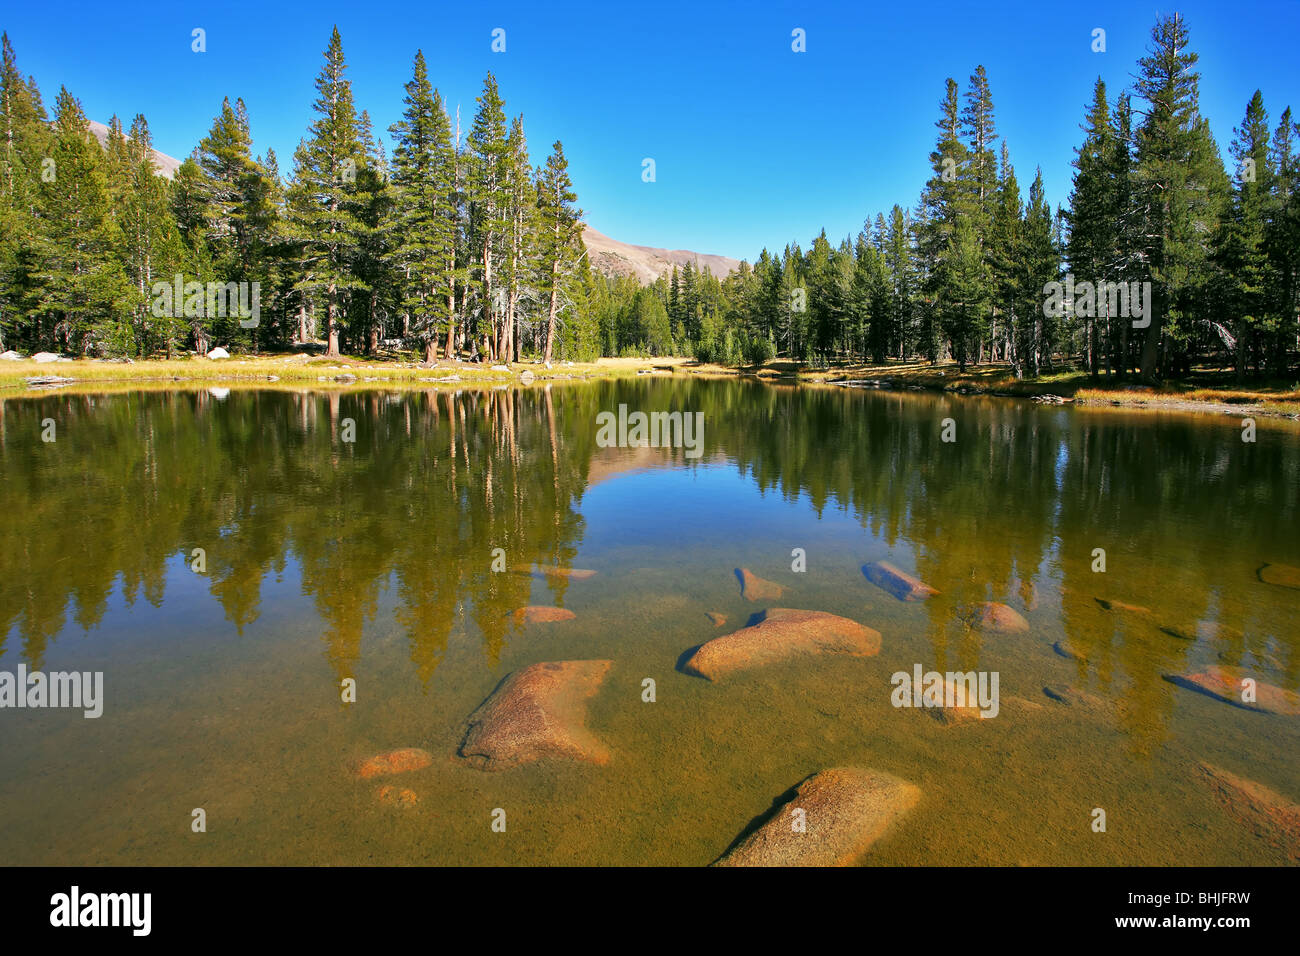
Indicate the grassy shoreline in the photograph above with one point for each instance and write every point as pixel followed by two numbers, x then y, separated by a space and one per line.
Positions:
pixel 1205 392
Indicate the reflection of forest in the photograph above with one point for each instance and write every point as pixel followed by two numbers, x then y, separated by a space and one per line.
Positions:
pixel 434 481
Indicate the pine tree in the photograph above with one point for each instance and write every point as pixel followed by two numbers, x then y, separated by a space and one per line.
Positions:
pixel 152 249
pixel 944 203
pixel 323 198
pixel 1282 239
pixel 1239 242
pixel 236 209
pixel 1006 252
pixel 26 143
pixel 422 220
pixel 559 230
pixel 899 261
pixel 965 292
pixel 375 290
pixel 84 289
pixel 489 207
pixel 1095 214
pixel 1175 184
pixel 521 210
pixel 1036 333
pixel 981 179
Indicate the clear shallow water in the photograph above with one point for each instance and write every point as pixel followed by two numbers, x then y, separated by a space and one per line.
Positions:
pixel 371 560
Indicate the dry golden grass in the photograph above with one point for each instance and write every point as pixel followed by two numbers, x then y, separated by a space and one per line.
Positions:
pixel 289 371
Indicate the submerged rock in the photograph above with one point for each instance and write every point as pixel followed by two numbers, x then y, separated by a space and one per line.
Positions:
pixel 1124 608
pixel 394 761
pixel 717 619
pixel 536 713
pixel 536 614
pixel 1203 631
pixel 968 709
pixel 779 635
pixel 1273 817
pixel 1074 697
pixel 844 811
pixel 898 583
pixel 1225 684
pixel 1069 651
pixel 754 588
pixel 1280 574
pixel 551 571
pixel 404 798
pixel 992 616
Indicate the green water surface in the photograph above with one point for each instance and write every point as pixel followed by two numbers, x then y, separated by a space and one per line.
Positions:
pixel 371 559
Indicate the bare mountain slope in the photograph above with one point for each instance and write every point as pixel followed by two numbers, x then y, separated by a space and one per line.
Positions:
pixel 167 165
pixel 645 263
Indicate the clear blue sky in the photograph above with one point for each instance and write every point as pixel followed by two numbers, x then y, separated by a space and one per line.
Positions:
pixel 754 144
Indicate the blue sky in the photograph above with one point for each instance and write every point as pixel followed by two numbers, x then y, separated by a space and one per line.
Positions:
pixel 754 144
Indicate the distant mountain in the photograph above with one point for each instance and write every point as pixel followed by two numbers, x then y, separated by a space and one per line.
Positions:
pixel 167 165
pixel 645 263
pixel 608 256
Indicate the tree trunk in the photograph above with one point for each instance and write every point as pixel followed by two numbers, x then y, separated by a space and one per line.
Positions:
pixel 550 312
pixel 331 330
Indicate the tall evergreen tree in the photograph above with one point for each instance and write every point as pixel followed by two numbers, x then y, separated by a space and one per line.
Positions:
pixel 489 220
pixel 1175 183
pixel 422 219
pixel 559 230
pixel 85 290
pixel 323 198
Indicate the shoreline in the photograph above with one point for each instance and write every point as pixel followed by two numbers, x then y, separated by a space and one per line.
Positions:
pixel 25 378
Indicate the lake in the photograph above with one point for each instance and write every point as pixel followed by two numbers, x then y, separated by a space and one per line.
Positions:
pixel 233 561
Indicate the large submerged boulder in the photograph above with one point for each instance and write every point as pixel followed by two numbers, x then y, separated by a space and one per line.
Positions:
pixel 539 712
pixel 1273 817
pixel 781 634
pixel 1228 684
pixel 833 818
pixel 754 588
pixel 899 583
pixel 1282 575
